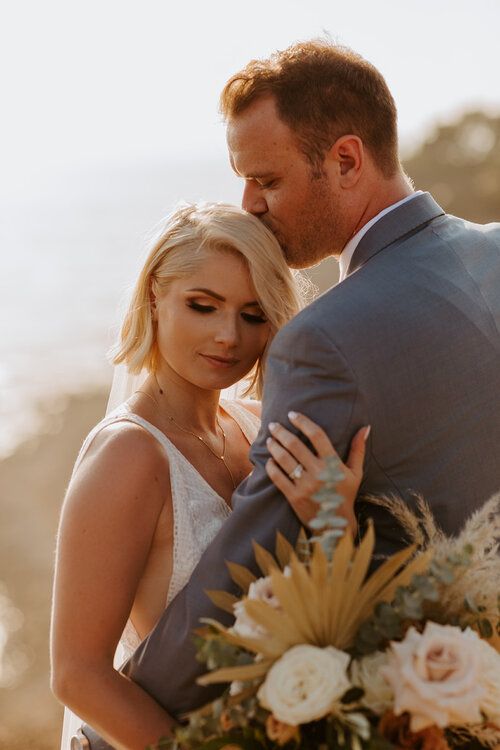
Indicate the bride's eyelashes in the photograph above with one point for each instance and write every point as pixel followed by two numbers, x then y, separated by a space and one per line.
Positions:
pixel 200 308
pixel 251 318
pixel 254 319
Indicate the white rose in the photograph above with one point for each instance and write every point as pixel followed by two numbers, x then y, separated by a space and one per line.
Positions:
pixel 366 673
pixel 489 678
pixel 261 590
pixel 305 684
pixel 435 676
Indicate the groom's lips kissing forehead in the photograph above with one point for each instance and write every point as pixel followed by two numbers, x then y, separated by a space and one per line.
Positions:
pixel 218 361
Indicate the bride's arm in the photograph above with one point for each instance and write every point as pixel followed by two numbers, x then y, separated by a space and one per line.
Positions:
pixel 289 452
pixel 108 523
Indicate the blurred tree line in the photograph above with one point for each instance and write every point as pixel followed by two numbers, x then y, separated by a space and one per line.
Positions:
pixel 459 164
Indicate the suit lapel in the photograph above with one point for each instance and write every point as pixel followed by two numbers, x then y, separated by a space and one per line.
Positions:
pixel 395 226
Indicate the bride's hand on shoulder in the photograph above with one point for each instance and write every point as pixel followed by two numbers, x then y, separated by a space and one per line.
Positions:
pixel 295 469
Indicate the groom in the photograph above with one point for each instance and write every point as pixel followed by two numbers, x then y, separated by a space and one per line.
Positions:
pixel 408 342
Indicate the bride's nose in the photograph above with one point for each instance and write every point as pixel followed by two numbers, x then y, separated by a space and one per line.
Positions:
pixel 227 332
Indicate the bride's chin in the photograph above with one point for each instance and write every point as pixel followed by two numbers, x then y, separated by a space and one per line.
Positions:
pixel 220 383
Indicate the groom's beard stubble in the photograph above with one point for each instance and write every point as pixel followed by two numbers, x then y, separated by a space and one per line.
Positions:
pixel 318 230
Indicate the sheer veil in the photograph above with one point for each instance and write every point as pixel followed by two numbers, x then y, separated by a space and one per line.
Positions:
pixel 123 386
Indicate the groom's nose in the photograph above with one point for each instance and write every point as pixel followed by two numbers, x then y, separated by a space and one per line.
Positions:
pixel 253 201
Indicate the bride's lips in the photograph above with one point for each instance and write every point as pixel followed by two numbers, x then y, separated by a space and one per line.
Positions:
pixel 223 362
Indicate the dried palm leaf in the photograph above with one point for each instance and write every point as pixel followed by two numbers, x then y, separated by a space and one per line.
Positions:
pixel 230 674
pixel 264 644
pixel 284 550
pixel 324 603
pixel 284 628
pixel 241 576
pixel 264 559
pixel 223 600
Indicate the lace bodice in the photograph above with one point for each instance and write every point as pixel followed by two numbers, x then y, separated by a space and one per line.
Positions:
pixel 198 511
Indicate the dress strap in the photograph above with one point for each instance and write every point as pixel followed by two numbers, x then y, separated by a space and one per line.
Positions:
pixel 248 422
pixel 122 414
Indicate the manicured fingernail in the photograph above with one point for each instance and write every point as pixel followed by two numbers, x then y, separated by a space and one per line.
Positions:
pixel 292 415
pixel 269 442
pixel 367 432
pixel 273 426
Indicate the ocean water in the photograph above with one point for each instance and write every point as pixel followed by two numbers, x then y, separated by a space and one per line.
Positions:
pixel 70 248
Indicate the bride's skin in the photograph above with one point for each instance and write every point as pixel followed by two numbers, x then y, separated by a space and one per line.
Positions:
pixel 114 557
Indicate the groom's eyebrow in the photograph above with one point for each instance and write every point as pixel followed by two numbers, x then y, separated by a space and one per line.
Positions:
pixel 257 175
pixel 250 175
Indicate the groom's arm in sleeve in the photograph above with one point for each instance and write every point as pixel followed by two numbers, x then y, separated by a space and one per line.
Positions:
pixel 305 373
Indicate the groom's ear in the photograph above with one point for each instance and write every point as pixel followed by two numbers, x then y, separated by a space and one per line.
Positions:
pixel 348 155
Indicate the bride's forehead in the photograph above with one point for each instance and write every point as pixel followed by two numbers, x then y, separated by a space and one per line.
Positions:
pixel 223 271
pixel 221 263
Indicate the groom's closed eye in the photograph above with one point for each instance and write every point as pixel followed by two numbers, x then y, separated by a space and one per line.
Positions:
pixel 267 185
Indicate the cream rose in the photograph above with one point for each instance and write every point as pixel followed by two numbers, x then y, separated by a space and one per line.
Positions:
pixel 262 590
pixel 489 678
pixel 305 684
pixel 435 676
pixel 366 673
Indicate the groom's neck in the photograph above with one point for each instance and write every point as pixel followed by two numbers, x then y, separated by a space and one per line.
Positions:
pixel 380 195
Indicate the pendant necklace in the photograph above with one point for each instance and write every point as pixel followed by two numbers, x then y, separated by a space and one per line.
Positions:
pixel 221 457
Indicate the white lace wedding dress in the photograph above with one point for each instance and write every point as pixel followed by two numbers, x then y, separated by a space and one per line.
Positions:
pixel 198 513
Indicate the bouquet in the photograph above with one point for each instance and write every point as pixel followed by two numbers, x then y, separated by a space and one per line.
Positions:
pixel 323 655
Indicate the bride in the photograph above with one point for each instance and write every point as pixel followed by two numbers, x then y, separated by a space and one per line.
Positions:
pixel 153 481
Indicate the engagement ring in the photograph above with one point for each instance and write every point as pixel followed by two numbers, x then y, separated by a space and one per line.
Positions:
pixel 297 472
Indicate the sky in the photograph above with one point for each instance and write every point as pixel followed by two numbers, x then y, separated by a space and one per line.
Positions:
pixel 118 81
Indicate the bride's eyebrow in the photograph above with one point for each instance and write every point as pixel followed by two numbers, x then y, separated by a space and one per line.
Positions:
pixel 209 293
pixel 213 294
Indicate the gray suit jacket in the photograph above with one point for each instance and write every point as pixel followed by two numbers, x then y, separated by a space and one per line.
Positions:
pixel 409 343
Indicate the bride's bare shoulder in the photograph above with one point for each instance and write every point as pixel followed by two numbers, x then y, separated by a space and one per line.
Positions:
pixel 125 451
pixel 254 407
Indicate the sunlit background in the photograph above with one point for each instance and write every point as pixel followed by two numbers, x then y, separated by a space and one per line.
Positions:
pixel 109 117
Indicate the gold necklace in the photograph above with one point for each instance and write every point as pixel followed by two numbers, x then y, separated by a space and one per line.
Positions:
pixel 222 457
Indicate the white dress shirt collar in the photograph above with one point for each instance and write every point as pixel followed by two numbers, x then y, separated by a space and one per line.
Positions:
pixel 348 251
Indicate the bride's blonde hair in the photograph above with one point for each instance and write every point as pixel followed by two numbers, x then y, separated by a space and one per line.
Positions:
pixel 179 249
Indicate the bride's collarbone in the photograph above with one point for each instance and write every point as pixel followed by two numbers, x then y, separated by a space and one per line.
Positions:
pixel 210 466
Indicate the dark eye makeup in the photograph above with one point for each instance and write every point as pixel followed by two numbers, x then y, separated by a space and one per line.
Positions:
pixel 248 317
pixel 253 319
pixel 200 308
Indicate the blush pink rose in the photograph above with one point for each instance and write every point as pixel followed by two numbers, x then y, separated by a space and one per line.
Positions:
pixel 435 676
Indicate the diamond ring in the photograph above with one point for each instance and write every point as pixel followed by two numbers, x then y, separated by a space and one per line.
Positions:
pixel 297 472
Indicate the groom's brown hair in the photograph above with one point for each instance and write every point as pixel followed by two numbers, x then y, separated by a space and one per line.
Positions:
pixel 322 91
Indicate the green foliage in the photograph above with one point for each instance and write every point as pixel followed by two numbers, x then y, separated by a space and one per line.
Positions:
pixel 214 650
pixel 477 617
pixel 411 605
pixel 328 524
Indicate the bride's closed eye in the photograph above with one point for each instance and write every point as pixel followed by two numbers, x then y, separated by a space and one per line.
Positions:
pixel 254 319
pixel 200 308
